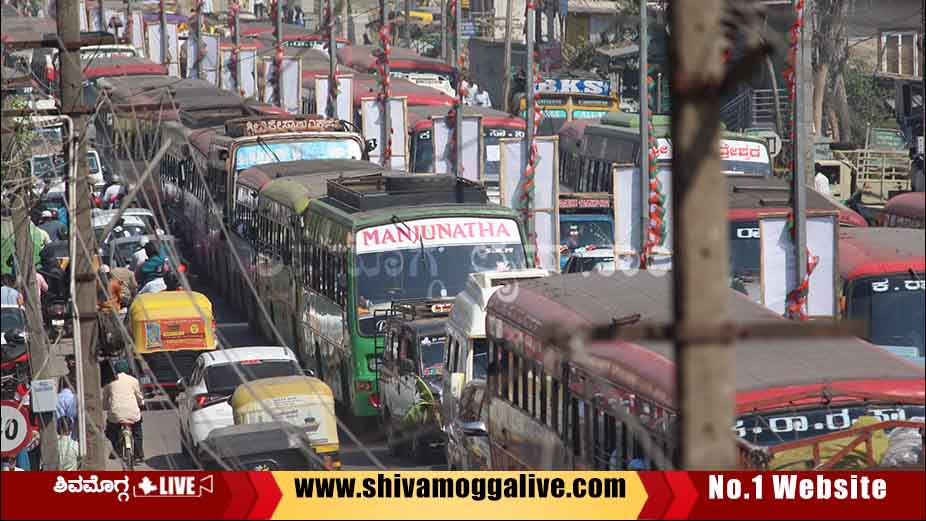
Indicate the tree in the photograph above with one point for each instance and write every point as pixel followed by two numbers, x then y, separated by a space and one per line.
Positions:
pixel 830 45
pixel 866 97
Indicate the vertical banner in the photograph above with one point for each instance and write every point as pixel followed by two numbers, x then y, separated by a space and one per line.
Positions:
pixel 514 153
pixel 226 74
pixel 84 24
pixel 471 142
pixel 138 32
pixel 247 71
pixel 291 99
pixel 627 239
pixel 153 42
pixel 209 57
pixel 628 235
pixel 778 263
pixel 344 102
pixel 292 85
pixel 371 122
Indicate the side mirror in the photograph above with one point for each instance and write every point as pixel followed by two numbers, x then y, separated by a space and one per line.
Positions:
pixel 181 384
pixel 371 145
pixel 223 155
pixel 406 366
pixel 475 429
pixel 309 372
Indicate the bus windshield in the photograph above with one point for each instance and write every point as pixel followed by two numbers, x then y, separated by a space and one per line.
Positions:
pixel 744 158
pixel 430 258
pixel 585 231
pixel 769 429
pixel 432 355
pixel 744 248
pixel 261 153
pixel 892 308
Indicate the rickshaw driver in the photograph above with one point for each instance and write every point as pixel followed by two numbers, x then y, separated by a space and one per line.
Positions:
pixel 123 402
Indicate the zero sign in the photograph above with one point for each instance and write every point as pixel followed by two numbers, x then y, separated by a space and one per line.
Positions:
pixel 14 427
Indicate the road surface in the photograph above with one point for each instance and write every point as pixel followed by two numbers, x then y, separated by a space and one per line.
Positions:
pixel 162 431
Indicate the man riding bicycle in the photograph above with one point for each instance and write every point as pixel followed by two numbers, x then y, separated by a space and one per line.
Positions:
pixel 123 402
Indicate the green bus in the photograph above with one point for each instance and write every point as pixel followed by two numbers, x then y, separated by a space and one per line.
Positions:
pixel 330 266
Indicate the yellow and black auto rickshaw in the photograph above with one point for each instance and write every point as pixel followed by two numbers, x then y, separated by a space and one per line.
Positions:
pixel 170 329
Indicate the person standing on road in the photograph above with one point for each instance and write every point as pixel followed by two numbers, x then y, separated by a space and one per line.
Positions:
pixel 68 450
pixel 67 404
pixel 9 295
pixel 122 401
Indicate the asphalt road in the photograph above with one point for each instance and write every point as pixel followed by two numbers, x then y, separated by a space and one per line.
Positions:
pixel 162 431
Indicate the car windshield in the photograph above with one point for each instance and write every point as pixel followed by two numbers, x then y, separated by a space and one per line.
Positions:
pixel 769 429
pixel 491 137
pixel 225 378
pixel 12 318
pixel 424 152
pixel 744 158
pixel 744 249
pixel 576 233
pixel 49 135
pixel 602 264
pixel 264 152
pixel 892 308
pixel 480 359
pixel 432 355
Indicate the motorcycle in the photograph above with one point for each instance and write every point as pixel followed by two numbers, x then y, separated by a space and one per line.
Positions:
pixel 127 445
pixel 56 302
pixel 14 363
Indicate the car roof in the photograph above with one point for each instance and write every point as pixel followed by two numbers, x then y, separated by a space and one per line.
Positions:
pixel 865 252
pixel 237 354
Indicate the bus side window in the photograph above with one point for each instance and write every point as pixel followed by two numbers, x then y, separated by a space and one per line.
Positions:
pixel 575 425
pixel 527 393
pixel 501 373
pixel 555 404
pixel 543 382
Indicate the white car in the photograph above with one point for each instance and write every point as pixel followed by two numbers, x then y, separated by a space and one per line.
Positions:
pixel 203 400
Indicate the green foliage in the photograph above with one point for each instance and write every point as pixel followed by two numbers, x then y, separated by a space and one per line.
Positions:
pixel 15 145
pixel 866 98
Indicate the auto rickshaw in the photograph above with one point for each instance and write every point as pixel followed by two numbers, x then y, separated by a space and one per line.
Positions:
pixel 301 401
pixel 170 329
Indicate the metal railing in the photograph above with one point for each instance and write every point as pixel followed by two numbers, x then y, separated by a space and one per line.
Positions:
pixel 755 108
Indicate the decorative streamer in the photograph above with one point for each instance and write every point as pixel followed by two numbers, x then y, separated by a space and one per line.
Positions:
pixel 656 231
pixel 200 48
pixel 527 189
pixel 333 87
pixel 385 87
pixel 797 298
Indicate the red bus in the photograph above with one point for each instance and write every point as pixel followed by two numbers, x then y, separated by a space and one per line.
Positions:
pixel 905 211
pixel 611 404
pixel 883 275
pixel 496 124
pixel 103 67
pixel 403 63
pixel 294 36
pixel 752 197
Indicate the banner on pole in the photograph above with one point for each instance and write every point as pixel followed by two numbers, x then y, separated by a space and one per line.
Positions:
pixel 153 41
pixel 545 211
pixel 371 122
pixel 210 58
pixel 779 262
pixel 344 104
pixel 628 232
pixel 471 142
pixel 291 97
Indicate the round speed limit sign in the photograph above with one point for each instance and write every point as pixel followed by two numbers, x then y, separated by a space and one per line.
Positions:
pixel 14 427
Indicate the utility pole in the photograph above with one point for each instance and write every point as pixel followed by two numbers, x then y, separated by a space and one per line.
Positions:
pixel 38 342
pixel 102 16
pixel 165 60
pixel 320 13
pixel 703 355
pixel 332 66
pixel 458 121
pixel 506 69
pixel 529 114
pixel 278 36
pixel 84 296
pixel 236 40
pixel 644 127
pixel 444 55
pixel 387 116
pixel 198 34
pixel 408 29
pixel 345 14
pixel 802 144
